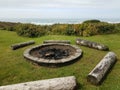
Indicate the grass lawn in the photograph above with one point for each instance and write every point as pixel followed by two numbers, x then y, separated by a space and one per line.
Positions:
pixel 15 69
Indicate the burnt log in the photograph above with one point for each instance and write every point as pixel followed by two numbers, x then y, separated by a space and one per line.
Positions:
pixel 64 83
pixel 100 71
pixel 92 44
pixel 56 41
pixel 23 44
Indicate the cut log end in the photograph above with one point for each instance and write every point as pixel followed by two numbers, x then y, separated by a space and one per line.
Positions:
pixel 92 80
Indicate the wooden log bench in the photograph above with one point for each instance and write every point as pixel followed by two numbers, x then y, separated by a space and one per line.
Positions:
pixel 23 44
pixel 92 44
pixel 97 74
pixel 56 41
pixel 64 83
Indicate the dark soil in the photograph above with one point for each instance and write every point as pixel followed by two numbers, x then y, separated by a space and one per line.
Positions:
pixel 55 52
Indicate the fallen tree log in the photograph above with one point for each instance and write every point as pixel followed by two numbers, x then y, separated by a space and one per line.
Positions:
pixel 23 44
pixel 64 83
pixel 101 69
pixel 91 44
pixel 57 41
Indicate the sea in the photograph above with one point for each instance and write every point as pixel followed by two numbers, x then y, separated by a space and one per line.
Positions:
pixel 51 21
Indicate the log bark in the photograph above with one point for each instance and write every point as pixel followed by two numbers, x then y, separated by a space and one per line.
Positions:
pixel 91 44
pixel 57 41
pixel 97 74
pixel 23 44
pixel 64 83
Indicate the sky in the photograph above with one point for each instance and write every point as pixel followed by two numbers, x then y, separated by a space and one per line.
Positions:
pixel 59 8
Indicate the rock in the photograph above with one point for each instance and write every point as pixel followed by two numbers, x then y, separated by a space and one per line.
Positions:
pixel 64 83
pixel 91 44
pixel 101 69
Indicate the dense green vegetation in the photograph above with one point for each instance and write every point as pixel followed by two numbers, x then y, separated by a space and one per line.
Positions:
pixel 30 30
pixel 15 69
pixel 87 28
pixel 8 26
pixel 92 21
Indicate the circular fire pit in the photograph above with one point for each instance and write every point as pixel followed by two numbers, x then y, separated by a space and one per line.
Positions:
pixel 53 53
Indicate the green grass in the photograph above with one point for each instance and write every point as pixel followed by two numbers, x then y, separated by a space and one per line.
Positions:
pixel 15 69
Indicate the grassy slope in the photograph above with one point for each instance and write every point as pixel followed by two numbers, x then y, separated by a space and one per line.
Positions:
pixel 15 69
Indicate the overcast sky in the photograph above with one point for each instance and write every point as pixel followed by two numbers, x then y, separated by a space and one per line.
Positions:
pixel 59 8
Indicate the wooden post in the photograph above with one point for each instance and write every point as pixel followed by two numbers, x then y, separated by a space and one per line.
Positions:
pixel 23 44
pixel 91 44
pixel 98 73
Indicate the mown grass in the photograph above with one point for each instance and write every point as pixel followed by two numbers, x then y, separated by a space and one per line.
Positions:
pixel 15 69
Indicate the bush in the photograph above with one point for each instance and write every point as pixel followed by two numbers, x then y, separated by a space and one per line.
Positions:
pixel 8 26
pixel 90 30
pixel 105 28
pixel 69 30
pixel 92 21
pixel 29 30
pixel 117 27
pixel 58 29
pixel 87 28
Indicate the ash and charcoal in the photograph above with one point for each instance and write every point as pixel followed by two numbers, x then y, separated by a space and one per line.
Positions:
pixel 54 53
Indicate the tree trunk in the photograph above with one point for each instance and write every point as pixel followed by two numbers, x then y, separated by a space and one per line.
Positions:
pixel 23 44
pixel 57 41
pixel 64 83
pixel 98 73
pixel 91 44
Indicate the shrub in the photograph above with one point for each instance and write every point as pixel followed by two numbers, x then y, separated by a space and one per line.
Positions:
pixel 58 29
pixel 87 28
pixel 117 27
pixel 90 30
pixel 92 21
pixel 8 26
pixel 69 30
pixel 29 30
pixel 105 28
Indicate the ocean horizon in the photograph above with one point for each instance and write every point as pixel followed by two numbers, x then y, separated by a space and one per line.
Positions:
pixel 51 21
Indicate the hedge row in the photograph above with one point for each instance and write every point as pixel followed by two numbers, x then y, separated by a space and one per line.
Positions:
pixel 87 28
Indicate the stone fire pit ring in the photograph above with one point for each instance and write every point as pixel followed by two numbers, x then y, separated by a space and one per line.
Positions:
pixel 28 54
